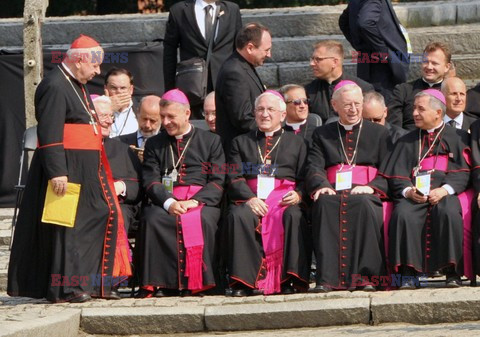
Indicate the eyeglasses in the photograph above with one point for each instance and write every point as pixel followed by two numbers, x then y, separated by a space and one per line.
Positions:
pixel 209 113
pixel 317 60
pixel 299 101
pixel 348 107
pixel 268 110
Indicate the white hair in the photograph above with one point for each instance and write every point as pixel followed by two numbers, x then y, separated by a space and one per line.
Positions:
pixel 347 87
pixel 281 103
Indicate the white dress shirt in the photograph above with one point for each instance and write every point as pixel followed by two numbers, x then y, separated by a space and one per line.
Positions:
pixel 200 14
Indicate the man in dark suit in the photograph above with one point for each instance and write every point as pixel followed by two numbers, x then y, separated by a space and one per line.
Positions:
pixel 238 83
pixel 455 93
pixel 327 66
pixel 435 67
pixel 187 29
pixel 373 29
pixel 149 122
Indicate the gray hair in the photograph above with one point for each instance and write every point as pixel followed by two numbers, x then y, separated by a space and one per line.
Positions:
pixel 347 87
pixel 287 88
pixel 281 103
pixel 374 96
pixel 433 102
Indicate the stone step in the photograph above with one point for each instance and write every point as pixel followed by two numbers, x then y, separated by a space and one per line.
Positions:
pixel 463 40
pixel 4 257
pixel 283 22
pixel 281 73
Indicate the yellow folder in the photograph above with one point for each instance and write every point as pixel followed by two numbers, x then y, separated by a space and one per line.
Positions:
pixel 61 210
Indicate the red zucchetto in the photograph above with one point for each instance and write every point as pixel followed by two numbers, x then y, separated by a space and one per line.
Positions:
pixel 83 42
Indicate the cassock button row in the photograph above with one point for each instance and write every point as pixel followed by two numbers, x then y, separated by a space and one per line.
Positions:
pixel 180 241
pixel 344 248
pixel 350 148
pixel 429 235
pixel 428 242
pixel 343 283
pixel 344 239
pixel 344 204
pixel 428 249
pixel 181 261
pixel 344 265
pixel 344 230
pixel 344 256
pixel 344 221
pixel 343 274
pixel 344 212
pixel 428 256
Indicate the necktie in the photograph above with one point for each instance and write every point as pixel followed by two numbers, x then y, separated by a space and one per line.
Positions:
pixel 452 123
pixel 208 22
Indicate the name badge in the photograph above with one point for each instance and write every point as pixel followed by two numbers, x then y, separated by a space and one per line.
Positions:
pixel 265 185
pixel 422 182
pixel 343 180
pixel 167 181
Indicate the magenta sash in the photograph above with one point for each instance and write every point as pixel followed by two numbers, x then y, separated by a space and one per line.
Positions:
pixel 273 236
pixel 192 237
pixel 465 198
pixel 362 175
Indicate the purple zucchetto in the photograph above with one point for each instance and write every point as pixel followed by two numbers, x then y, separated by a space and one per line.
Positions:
pixel 342 84
pixel 175 95
pixel 437 94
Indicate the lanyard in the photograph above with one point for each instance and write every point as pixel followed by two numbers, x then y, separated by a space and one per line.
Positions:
pixel 417 168
pixel 263 159
pixel 349 162
pixel 92 120
pixel 124 123
pixel 180 158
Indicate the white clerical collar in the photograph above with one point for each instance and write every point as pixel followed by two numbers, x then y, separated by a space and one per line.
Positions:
pixel 348 127
pixel 189 129
pixel 438 126
pixel 458 120
pixel 432 84
pixel 270 133
pixel 296 126
pixel 67 69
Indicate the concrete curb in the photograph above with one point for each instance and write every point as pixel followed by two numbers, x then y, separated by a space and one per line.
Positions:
pixel 30 317
pixel 58 324
pixel 287 315
pixel 146 320
pixel 446 306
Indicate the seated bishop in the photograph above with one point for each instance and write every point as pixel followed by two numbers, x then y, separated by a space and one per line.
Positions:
pixel 177 233
pixel 342 180
pixel 427 171
pixel 266 228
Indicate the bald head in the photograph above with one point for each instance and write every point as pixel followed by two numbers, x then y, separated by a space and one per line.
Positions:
pixel 455 92
pixel 148 116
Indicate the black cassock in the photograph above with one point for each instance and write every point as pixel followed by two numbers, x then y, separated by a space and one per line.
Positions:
pixel 347 229
pixel 424 237
pixel 305 131
pixel 162 253
pixel 475 145
pixel 53 261
pixel 246 257
pixel 126 167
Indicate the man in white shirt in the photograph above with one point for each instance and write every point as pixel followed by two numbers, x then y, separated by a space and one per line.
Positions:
pixel 455 93
pixel 119 87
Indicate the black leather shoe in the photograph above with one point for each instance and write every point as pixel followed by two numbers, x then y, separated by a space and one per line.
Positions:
pixel 114 295
pixel 144 293
pixel 241 292
pixel 80 299
pixel 185 292
pixel 369 287
pixel 453 281
pixel 288 289
pixel 163 292
pixel 321 289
